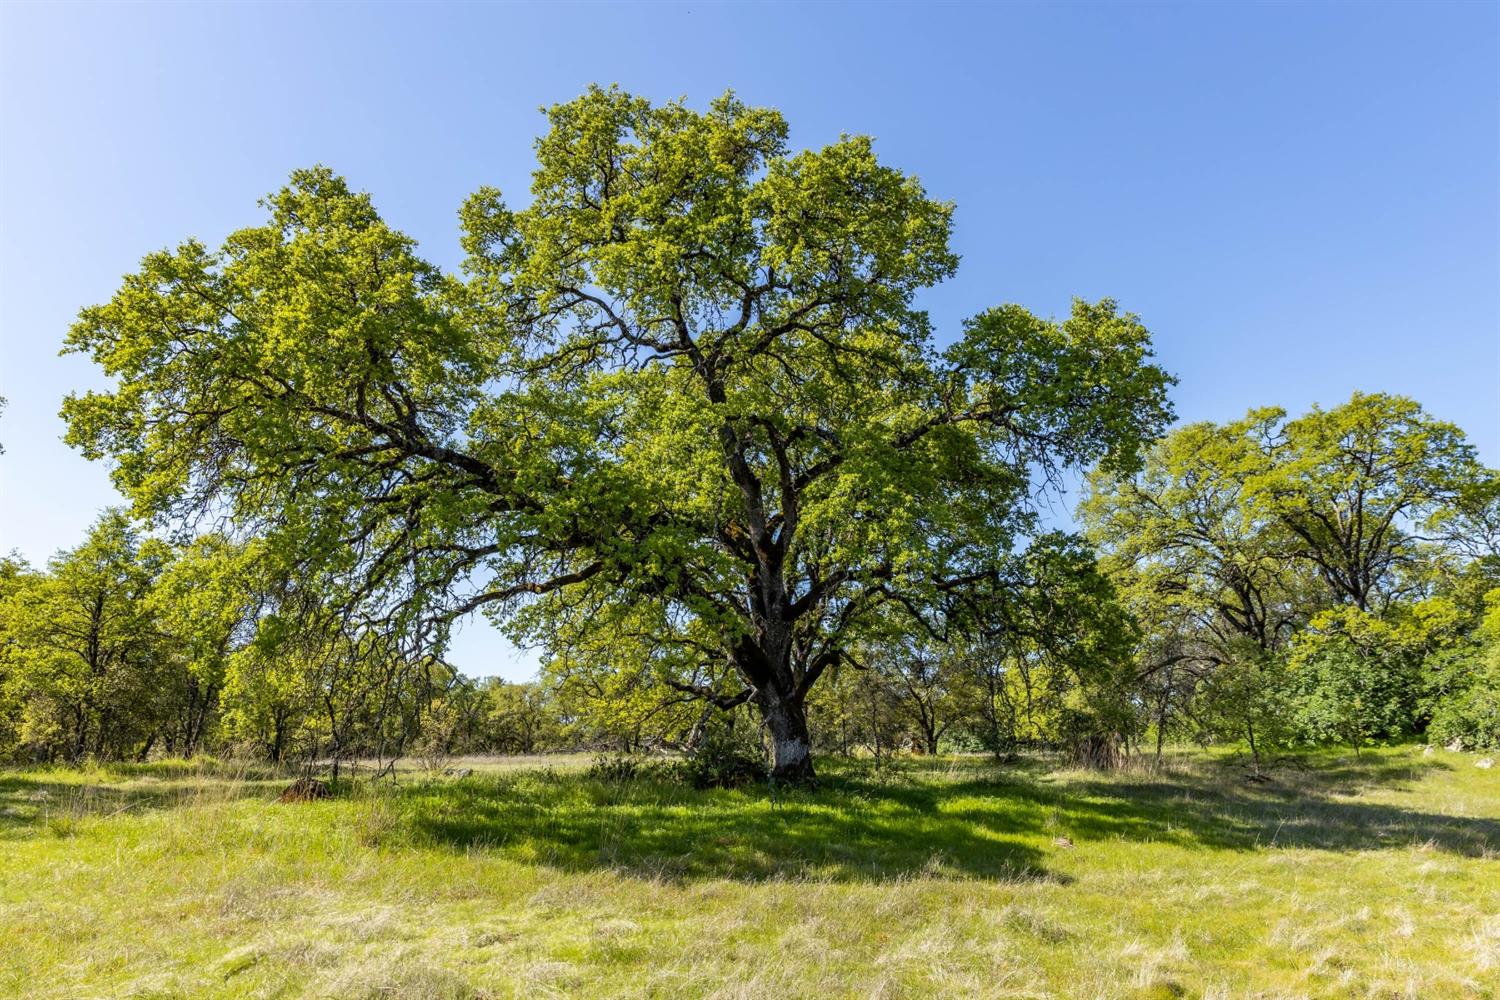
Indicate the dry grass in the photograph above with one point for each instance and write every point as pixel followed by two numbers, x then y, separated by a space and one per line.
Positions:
pixel 1375 877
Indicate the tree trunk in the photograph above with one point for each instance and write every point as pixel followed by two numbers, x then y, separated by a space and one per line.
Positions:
pixel 791 747
pixel 80 734
pixel 700 729
pixel 198 724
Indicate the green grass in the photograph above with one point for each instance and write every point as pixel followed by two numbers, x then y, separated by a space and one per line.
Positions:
pixel 1368 877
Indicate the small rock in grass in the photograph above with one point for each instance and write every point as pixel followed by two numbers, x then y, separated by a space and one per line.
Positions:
pixel 304 790
pixel 1428 751
pixel 1485 762
pixel 1062 842
pixel 463 772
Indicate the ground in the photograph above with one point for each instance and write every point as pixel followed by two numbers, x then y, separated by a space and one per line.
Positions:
pixel 1369 876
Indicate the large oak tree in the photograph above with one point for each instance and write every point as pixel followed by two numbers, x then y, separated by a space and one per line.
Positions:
pixel 684 394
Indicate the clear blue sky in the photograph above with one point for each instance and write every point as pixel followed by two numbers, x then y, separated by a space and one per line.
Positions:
pixel 1299 200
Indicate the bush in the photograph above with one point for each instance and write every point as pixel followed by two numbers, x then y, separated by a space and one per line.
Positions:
pixel 1352 693
pixel 1470 715
pixel 725 759
pixel 617 768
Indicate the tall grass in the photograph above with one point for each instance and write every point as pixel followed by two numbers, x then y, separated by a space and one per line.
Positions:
pixel 948 877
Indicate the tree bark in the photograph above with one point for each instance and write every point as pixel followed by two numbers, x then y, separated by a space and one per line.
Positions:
pixel 791 747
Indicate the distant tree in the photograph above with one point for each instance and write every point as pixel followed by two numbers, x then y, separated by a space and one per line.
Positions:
pixel 15 576
pixel 688 383
pixel 1247 698
pixel 1206 574
pixel 88 652
pixel 615 685
pixel 1278 572
pixel 311 686
pixel 206 603
pixel 1054 665
pixel 1350 693
pixel 453 722
pixel 370 694
pixel 269 699
pixel 1186 538
pixel 865 708
pixel 924 685
pixel 835 710
pixel 519 717
pixel 1351 483
pixel 1464 689
pixel 1470 521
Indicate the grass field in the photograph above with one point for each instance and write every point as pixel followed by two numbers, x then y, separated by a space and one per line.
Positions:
pixel 1368 877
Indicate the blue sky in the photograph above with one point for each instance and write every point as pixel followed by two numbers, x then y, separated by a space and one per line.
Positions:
pixel 1299 200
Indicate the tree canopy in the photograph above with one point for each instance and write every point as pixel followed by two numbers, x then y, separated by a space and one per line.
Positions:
pixel 685 393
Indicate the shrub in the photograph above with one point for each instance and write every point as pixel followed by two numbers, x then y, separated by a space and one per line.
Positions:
pixel 1356 679
pixel 725 759
pixel 618 768
pixel 1470 715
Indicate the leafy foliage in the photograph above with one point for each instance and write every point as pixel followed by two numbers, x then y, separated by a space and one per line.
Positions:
pixel 1283 583
pixel 727 756
pixel 685 393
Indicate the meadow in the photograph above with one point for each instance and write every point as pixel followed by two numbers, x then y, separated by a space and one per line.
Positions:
pixel 1343 876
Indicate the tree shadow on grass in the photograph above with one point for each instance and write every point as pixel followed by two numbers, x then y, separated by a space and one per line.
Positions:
pixel 1247 819
pixel 1326 772
pixel 848 830
pixel 1213 806
pixel 29 800
pixel 952 818
pixel 972 823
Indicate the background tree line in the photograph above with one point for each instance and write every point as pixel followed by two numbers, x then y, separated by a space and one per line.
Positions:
pixel 1329 578
pixel 1268 582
